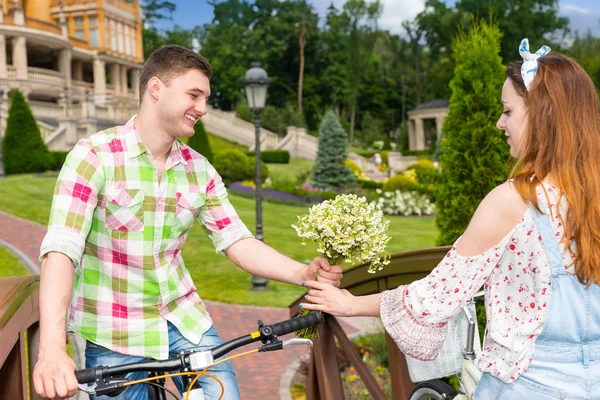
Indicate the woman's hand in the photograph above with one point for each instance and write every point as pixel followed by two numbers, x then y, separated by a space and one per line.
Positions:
pixel 329 299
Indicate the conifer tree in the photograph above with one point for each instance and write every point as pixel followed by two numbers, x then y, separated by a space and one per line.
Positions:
pixel 200 143
pixel 474 154
pixel 23 147
pixel 329 169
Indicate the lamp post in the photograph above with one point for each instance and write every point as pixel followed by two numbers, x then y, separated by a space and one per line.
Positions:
pixel 256 81
pixel 2 173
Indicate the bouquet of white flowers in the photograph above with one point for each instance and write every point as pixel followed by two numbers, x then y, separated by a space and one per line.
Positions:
pixel 346 229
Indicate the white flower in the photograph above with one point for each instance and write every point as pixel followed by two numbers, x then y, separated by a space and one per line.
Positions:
pixel 347 229
pixel 404 203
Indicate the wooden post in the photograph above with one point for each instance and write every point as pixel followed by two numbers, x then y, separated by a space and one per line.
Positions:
pixel 328 372
pixel 401 383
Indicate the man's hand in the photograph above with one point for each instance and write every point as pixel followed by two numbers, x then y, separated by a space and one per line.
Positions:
pixel 320 270
pixel 54 375
pixel 329 299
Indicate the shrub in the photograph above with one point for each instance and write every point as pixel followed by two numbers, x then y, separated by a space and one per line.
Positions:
pixel 470 173
pixel 23 148
pixel 243 111
pixel 199 142
pixel 354 167
pixel 423 164
pixel 369 184
pixel 235 166
pixel 58 159
pixel 403 203
pixel 329 169
pixel 400 182
pixel 272 119
pixel 273 156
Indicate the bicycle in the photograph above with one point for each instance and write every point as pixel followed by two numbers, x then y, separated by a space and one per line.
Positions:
pixel 108 380
pixel 470 375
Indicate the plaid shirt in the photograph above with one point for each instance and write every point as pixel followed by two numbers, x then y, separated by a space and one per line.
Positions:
pixel 123 228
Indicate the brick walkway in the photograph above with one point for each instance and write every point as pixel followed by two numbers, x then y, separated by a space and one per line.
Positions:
pixel 259 375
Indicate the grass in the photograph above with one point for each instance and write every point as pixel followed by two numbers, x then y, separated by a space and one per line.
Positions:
pixel 218 143
pixel 218 279
pixel 290 172
pixel 10 264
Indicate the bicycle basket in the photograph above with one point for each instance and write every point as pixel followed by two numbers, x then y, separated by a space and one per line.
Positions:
pixel 450 358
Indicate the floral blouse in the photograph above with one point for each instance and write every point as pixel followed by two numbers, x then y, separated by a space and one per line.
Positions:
pixel 516 277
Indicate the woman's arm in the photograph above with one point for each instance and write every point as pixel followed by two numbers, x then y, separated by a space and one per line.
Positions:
pixel 413 312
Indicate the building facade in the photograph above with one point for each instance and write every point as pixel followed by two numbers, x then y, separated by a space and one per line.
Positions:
pixel 78 62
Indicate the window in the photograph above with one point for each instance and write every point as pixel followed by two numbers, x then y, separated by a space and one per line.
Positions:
pixel 134 46
pixel 94 33
pixel 127 41
pixel 79 28
pixel 113 34
pixel 120 37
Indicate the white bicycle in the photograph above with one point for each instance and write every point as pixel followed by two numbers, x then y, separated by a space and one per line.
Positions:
pixel 470 375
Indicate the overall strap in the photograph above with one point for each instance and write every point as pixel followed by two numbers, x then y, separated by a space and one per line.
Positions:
pixel 549 241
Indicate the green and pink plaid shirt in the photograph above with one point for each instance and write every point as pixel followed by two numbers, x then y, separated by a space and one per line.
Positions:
pixel 123 228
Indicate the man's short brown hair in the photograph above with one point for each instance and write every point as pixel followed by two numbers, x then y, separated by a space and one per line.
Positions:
pixel 169 62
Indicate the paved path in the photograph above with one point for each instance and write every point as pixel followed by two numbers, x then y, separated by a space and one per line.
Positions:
pixel 259 375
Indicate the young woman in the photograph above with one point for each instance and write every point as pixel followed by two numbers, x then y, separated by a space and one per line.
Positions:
pixel 533 244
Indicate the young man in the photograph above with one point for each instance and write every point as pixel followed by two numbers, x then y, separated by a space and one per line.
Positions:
pixel 123 204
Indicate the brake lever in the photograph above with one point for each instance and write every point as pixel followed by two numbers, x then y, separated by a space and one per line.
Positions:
pixel 88 389
pixel 298 341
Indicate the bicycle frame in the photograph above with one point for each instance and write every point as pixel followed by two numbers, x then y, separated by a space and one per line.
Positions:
pixel 470 375
pixel 106 379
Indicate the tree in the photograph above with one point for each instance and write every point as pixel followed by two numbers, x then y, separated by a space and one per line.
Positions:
pixel 23 148
pixel 200 143
pixel 518 19
pixel 329 169
pixel 474 153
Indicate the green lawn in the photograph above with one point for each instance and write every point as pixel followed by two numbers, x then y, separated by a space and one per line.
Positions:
pixel 290 172
pixel 218 143
pixel 216 277
pixel 10 265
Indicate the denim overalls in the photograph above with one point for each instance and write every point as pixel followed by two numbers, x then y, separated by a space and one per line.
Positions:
pixel 566 358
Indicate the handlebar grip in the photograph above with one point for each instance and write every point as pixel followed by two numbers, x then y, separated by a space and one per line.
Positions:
pixel 86 375
pixel 298 323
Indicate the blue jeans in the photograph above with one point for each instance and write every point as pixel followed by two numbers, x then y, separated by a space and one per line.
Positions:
pixel 97 355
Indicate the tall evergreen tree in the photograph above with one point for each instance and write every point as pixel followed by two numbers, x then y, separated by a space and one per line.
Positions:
pixel 329 169
pixel 23 147
pixel 200 143
pixel 474 153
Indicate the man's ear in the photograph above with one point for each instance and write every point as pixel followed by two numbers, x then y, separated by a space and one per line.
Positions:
pixel 154 87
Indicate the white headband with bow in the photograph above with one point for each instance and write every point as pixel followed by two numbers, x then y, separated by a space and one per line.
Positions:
pixel 530 64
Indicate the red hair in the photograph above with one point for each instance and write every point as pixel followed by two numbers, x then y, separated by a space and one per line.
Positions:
pixel 562 141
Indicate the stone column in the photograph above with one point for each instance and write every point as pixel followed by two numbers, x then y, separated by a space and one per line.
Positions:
pixel 135 82
pixel 3 70
pixel 419 134
pixel 115 79
pixel 124 88
pixel 20 56
pixel 77 70
pixel 100 80
pixel 411 134
pixel 18 15
pixel 64 65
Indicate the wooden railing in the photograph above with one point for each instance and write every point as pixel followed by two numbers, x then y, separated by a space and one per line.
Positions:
pixel 19 335
pixel 324 379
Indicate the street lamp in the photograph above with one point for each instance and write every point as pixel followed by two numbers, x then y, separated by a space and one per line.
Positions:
pixel 256 81
pixel 2 173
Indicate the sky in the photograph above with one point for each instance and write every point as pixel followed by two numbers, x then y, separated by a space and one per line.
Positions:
pixel 583 14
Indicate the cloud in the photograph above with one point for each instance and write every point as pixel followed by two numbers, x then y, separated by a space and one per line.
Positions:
pixel 581 19
pixel 394 12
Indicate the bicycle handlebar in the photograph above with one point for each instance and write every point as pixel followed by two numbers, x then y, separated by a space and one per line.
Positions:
pixel 264 334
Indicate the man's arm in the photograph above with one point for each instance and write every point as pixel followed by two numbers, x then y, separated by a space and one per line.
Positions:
pixel 257 258
pixel 54 372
